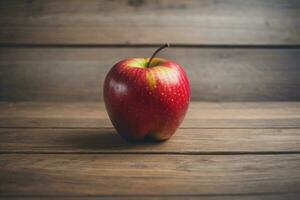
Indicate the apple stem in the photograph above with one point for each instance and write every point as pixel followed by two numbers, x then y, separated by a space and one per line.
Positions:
pixel 158 50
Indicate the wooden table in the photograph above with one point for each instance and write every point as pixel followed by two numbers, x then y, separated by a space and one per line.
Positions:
pixel 232 51
pixel 222 151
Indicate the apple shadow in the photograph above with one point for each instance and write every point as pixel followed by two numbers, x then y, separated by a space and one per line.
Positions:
pixel 97 140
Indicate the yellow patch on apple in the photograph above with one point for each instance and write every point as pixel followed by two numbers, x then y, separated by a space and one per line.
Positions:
pixel 151 80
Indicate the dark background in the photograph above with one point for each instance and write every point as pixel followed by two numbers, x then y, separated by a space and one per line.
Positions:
pixel 232 50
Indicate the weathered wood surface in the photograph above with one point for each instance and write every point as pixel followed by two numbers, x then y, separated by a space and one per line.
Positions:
pixel 278 196
pixel 200 115
pixel 55 174
pixel 77 74
pixel 185 141
pixel 231 151
pixel 232 50
pixel 148 22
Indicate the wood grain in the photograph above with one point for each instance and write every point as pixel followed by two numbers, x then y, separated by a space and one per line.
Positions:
pixel 148 22
pixel 61 144
pixel 284 196
pixel 185 141
pixel 54 174
pixel 77 74
pixel 200 115
pixel 199 163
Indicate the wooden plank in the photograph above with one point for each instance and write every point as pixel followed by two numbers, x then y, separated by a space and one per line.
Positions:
pixel 288 196
pixel 56 174
pixel 147 22
pixel 185 141
pixel 77 74
pixel 200 115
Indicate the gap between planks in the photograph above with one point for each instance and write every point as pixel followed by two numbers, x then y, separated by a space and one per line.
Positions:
pixel 174 45
pixel 251 196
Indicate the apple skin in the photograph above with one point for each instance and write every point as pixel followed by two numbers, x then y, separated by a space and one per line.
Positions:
pixel 146 102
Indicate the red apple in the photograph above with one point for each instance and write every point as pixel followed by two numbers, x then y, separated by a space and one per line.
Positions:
pixel 146 98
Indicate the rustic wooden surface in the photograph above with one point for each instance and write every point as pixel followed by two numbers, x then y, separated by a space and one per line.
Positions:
pixel 232 50
pixel 148 22
pixel 167 174
pixel 77 74
pixel 186 141
pixel 200 115
pixel 227 159
pixel 176 197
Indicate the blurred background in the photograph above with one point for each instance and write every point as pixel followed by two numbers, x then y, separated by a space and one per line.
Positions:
pixel 232 50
